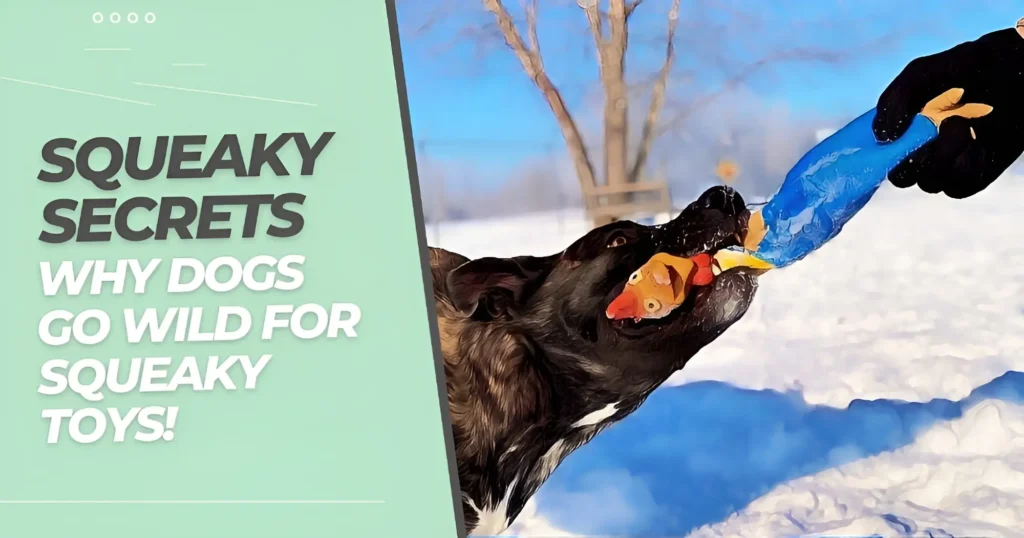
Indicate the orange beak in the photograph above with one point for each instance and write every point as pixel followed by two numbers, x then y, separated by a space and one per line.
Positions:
pixel 626 305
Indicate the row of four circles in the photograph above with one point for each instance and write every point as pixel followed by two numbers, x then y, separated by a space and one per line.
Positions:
pixel 115 18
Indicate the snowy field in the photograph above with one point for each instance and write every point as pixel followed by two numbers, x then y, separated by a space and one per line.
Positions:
pixel 875 388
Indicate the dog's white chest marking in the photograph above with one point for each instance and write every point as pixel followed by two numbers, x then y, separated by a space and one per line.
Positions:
pixel 551 459
pixel 492 520
pixel 597 417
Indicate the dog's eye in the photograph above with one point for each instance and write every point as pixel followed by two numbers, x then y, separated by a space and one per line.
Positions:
pixel 618 241
pixel 652 305
pixel 637 276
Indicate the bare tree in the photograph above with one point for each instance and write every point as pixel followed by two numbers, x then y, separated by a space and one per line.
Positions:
pixel 608 23
pixel 610 30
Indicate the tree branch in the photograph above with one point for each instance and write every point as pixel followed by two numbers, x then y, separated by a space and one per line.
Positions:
pixel 744 73
pixel 797 54
pixel 530 7
pixel 439 12
pixel 617 20
pixel 594 22
pixel 657 96
pixel 633 5
pixel 534 68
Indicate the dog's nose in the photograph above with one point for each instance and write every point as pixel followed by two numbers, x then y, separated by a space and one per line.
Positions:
pixel 625 306
pixel 722 198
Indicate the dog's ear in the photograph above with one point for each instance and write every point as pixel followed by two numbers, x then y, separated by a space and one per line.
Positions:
pixel 491 285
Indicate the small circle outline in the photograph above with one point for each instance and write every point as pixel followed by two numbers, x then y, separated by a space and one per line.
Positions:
pixel 129 18
pixel 94 15
pixel 115 14
pixel 150 17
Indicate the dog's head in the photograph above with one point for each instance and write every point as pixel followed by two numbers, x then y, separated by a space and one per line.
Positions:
pixel 560 300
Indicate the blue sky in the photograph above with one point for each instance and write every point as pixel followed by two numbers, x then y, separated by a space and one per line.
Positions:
pixel 456 98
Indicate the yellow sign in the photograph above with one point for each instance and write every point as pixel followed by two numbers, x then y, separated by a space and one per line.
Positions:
pixel 727 171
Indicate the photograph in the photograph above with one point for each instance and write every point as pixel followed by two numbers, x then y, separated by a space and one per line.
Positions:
pixel 726 269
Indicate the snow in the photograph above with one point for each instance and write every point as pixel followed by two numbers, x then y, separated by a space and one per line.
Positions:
pixel 914 286
pixel 964 477
pixel 872 388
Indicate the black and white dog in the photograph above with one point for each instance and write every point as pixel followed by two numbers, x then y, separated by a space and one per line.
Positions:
pixel 535 369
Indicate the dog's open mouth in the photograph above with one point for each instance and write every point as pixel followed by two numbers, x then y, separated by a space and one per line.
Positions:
pixel 718 221
pixel 638 327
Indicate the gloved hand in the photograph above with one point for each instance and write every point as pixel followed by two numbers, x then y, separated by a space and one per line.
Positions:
pixel 968 155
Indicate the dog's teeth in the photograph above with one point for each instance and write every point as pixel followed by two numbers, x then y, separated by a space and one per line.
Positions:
pixel 715 269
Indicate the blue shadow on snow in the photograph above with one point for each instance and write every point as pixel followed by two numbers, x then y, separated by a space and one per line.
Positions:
pixel 696 453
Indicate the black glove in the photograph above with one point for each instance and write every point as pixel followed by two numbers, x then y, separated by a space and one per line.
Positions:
pixel 959 162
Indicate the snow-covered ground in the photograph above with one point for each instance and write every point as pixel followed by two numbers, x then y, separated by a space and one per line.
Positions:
pixel 961 478
pixel 872 389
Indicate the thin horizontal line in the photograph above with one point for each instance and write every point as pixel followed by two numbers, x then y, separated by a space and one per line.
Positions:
pixel 222 93
pixel 195 502
pixel 30 83
pixel 188 65
pixel 94 50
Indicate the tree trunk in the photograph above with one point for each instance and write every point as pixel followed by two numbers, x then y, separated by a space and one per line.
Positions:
pixel 612 55
pixel 616 130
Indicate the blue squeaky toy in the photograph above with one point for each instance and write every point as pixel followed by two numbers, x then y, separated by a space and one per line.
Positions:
pixel 832 182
